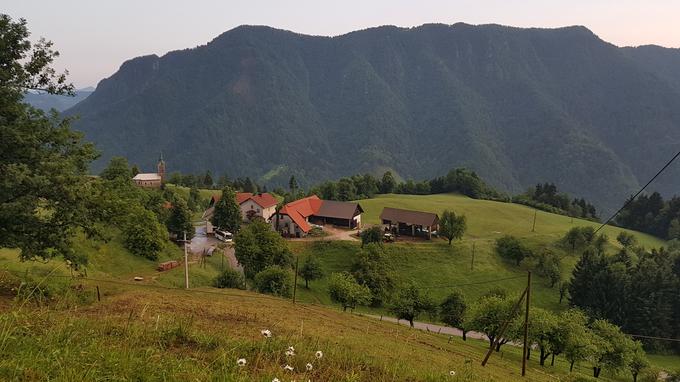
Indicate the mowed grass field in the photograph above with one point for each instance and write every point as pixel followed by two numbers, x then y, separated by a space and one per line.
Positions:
pixel 438 268
pixel 175 335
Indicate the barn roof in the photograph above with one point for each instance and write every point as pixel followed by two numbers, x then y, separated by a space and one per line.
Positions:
pixel 397 215
pixel 264 200
pixel 338 210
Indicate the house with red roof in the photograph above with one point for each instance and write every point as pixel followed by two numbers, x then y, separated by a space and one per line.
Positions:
pixel 252 205
pixel 296 218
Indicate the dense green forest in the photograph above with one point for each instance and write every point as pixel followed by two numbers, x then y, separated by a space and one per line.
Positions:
pixel 517 106
pixel 652 214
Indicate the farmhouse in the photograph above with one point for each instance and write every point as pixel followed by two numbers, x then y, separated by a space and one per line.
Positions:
pixel 414 223
pixel 295 218
pixel 151 179
pixel 252 205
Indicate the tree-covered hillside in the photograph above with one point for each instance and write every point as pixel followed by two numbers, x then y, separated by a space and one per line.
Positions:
pixel 518 106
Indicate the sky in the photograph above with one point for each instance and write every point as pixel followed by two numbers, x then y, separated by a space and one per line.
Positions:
pixel 95 37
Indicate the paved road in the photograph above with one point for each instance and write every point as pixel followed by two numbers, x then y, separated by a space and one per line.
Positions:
pixel 432 327
pixel 202 242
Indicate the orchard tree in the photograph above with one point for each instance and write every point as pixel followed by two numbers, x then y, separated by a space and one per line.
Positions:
pixel 257 246
pixel 543 325
pixel 638 360
pixel 614 349
pixel 43 162
pixel 311 270
pixel 410 303
pixel 488 315
pixel 371 268
pixel 452 311
pixel 274 280
pixel 511 248
pixel 227 214
pixel 344 289
pixel 452 227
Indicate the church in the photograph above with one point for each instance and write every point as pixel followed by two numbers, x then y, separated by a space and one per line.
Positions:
pixel 151 179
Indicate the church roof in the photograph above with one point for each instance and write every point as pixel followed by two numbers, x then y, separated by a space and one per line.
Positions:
pixel 147 176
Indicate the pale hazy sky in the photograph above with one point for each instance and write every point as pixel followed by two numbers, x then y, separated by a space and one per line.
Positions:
pixel 95 36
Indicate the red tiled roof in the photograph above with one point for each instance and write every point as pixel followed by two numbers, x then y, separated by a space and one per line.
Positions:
pixel 300 210
pixel 243 196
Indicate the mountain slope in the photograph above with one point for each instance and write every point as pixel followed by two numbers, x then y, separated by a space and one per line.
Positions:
pixel 57 102
pixel 519 106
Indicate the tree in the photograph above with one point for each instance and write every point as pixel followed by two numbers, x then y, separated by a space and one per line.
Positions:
pixel 613 348
pixel 411 303
pixel 627 240
pixel 257 246
pixel 371 235
pixel 563 288
pixel 451 226
pixel 274 280
pixel 43 162
pixel 542 328
pixel 227 214
pixel 118 169
pixel 208 180
pixel 179 221
pixel 194 202
pixel 134 170
pixel 579 342
pixel 344 289
pixel 292 184
pixel 387 183
pixel 371 268
pixel 488 315
pixel 638 360
pixel 311 270
pixel 230 278
pixel 452 311
pixel 144 235
pixel 511 248
pixel 346 190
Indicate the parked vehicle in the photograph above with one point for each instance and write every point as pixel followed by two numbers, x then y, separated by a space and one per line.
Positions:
pixel 224 236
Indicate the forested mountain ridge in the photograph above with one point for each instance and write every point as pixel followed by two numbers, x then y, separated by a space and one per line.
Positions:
pixel 519 106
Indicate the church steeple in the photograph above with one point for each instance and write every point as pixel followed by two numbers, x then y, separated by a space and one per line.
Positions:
pixel 161 167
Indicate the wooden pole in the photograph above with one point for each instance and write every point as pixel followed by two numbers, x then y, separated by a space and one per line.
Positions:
pixel 533 227
pixel 99 297
pixel 472 263
pixel 297 262
pixel 525 348
pixel 186 263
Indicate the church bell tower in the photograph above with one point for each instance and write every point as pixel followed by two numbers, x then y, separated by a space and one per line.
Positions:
pixel 161 167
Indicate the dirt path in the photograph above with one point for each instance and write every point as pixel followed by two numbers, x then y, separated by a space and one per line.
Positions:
pixel 332 233
pixel 202 242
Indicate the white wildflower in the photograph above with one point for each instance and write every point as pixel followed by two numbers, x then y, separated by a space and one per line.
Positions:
pixel 266 333
pixel 241 362
pixel 290 351
pixel 319 354
pixel 288 368
pixel 309 367
pixel 275 380
pixel 452 373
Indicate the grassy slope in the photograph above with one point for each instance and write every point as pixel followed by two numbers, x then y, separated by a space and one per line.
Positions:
pixel 178 335
pixel 436 266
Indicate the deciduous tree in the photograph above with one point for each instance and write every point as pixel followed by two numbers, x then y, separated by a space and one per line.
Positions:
pixel 452 227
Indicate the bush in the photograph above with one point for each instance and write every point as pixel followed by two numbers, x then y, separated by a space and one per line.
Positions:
pixel 511 248
pixel 230 278
pixel 274 280
pixel 371 235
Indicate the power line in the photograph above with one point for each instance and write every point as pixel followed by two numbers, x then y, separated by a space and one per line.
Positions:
pixel 630 200
pixel 655 338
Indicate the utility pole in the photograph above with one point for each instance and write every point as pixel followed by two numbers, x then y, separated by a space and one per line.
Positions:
pixel 533 227
pixel 525 348
pixel 186 263
pixel 297 262
pixel 472 264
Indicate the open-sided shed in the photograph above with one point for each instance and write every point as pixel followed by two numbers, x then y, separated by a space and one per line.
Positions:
pixel 408 221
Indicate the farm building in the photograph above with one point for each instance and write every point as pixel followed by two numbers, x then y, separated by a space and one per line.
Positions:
pixel 295 218
pixel 251 205
pixel 407 222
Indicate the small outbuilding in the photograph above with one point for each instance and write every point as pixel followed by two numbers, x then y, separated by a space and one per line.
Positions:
pixel 408 222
